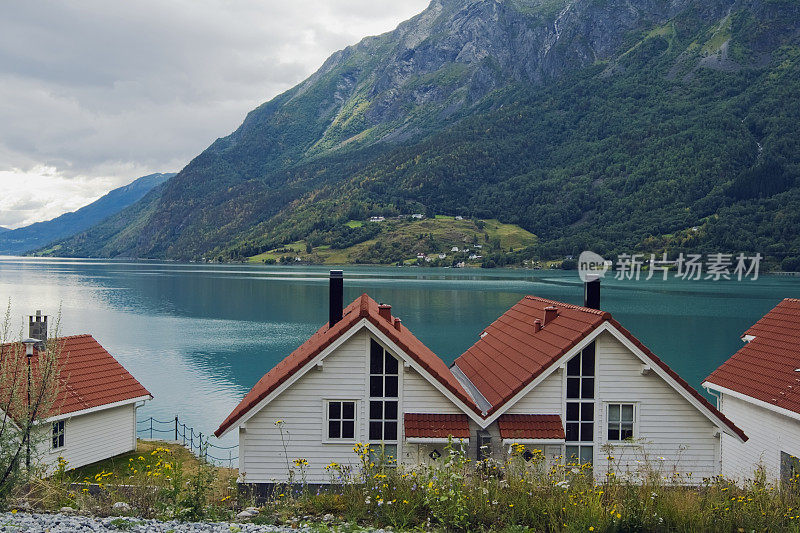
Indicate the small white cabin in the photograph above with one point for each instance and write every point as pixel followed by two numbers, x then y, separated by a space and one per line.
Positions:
pixel 759 388
pixel 93 416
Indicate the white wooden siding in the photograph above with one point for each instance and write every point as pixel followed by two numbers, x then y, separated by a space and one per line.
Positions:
pixel 769 434
pixel 675 436
pixel 544 399
pixel 91 437
pixel 343 376
pixel 420 396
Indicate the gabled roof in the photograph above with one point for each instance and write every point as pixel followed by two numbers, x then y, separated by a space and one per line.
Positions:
pixel 510 354
pixel 539 427
pixel 768 367
pixel 89 377
pixel 362 307
pixel 436 426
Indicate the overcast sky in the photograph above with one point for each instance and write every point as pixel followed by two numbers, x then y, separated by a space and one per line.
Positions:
pixel 94 94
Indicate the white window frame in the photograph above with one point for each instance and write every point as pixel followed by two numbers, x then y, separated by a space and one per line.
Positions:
pixel 609 403
pixel 595 405
pixel 62 433
pixel 398 399
pixel 326 439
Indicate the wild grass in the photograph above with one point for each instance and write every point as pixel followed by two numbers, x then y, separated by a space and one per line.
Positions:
pixel 454 493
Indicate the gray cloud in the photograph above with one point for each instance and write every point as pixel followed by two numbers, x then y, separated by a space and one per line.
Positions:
pixel 103 92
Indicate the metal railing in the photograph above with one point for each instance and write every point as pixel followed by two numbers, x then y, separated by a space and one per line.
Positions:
pixel 197 443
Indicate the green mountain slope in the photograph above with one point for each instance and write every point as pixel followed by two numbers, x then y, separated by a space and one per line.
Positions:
pixel 36 235
pixel 604 124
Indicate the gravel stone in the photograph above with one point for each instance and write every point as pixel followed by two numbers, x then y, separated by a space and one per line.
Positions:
pixel 68 523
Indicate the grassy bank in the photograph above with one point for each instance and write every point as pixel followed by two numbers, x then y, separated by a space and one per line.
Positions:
pixel 455 494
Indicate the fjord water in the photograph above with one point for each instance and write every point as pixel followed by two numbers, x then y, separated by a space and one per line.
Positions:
pixel 198 336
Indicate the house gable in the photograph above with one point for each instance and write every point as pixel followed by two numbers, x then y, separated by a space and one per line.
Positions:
pixel 363 313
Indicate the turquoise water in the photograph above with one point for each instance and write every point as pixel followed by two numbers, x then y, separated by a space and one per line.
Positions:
pixel 199 336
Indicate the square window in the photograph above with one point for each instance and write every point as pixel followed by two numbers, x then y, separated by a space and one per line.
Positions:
pixel 341 419
pixel 573 411
pixel 375 410
pixel 620 421
pixel 391 387
pixel 573 387
pixel 376 386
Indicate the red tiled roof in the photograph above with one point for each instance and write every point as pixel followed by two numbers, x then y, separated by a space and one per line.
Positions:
pixel 511 355
pixel 89 377
pixel 436 426
pixel 530 427
pixel 361 307
pixel 765 367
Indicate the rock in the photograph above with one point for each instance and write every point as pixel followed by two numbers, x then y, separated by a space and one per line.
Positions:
pixel 252 510
pixel 327 518
pixel 244 515
pixel 121 506
pixel 66 510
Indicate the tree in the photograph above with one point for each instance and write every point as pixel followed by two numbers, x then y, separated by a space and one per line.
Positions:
pixel 29 385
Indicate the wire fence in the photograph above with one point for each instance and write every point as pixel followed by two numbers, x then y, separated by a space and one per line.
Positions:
pixel 196 442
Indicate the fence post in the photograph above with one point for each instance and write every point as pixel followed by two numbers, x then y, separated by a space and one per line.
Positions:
pixel 191 441
pixel 176 428
pixel 151 428
pixel 200 448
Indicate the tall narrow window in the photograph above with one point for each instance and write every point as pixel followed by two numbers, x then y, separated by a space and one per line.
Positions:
pixel 580 406
pixel 383 391
pixel 620 421
pixel 341 420
pixel 58 434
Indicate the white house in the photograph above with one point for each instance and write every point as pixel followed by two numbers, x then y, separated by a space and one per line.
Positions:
pixel 93 416
pixel 759 388
pixel 566 379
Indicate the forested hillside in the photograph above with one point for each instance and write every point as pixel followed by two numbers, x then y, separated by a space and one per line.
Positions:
pixel 593 124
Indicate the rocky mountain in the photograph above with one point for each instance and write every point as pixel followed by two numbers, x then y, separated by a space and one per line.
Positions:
pixel 611 124
pixel 36 235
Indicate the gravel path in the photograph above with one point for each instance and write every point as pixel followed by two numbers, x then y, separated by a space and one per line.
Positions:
pixel 62 523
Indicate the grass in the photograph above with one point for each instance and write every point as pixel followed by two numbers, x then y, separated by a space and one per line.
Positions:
pixel 429 236
pixel 524 493
pixel 120 464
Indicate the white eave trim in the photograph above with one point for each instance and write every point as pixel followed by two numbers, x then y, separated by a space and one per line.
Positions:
pixel 509 442
pixel 96 409
pixel 355 328
pixel 750 399
pixel 434 440
pixel 660 372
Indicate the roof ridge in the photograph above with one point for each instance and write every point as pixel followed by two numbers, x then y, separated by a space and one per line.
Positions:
pixel 570 306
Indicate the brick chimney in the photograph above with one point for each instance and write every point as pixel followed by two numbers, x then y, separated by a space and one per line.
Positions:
pixel 550 313
pixel 397 324
pixel 591 292
pixel 537 326
pixel 385 311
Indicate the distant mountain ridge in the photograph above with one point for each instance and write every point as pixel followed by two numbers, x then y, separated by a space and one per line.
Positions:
pixel 39 234
pixel 616 125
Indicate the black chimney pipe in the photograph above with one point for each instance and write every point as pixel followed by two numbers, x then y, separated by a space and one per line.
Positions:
pixel 591 292
pixel 336 299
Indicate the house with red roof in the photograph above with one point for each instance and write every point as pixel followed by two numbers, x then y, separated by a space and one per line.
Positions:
pixel 759 387
pixel 565 379
pixel 93 414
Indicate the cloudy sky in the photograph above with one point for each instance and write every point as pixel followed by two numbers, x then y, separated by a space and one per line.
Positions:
pixel 94 94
